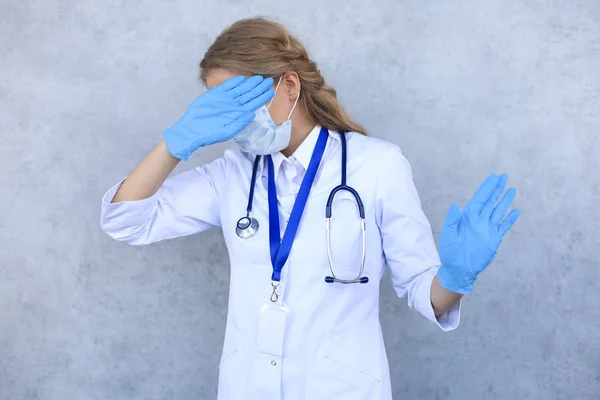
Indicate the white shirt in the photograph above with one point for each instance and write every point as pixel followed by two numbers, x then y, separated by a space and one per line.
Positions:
pixel 332 346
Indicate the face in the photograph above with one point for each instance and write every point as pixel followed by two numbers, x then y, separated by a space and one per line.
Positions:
pixel 283 101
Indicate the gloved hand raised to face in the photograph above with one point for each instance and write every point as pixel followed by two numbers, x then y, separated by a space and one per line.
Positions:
pixel 469 241
pixel 218 115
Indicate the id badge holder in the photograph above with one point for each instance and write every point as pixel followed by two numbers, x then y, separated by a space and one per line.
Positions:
pixel 271 330
pixel 267 364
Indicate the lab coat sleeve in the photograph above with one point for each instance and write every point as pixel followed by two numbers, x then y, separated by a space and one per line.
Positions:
pixel 407 239
pixel 185 204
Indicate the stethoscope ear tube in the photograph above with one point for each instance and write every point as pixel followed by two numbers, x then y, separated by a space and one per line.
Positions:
pixel 363 226
pixel 359 203
pixel 359 278
pixel 331 279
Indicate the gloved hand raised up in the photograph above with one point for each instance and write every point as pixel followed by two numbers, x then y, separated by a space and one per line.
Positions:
pixel 469 241
pixel 218 115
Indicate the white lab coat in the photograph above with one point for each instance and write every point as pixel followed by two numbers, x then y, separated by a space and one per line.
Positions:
pixel 333 347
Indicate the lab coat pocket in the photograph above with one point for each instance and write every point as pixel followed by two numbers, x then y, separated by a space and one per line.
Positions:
pixel 230 376
pixel 228 371
pixel 346 368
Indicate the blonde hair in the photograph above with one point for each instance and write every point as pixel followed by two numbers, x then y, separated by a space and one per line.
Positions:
pixel 257 46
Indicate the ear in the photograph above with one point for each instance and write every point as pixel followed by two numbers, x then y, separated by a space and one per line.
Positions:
pixel 291 84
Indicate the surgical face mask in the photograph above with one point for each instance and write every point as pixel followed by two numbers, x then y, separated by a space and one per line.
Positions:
pixel 262 136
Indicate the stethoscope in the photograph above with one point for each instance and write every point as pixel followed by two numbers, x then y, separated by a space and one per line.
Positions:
pixel 247 226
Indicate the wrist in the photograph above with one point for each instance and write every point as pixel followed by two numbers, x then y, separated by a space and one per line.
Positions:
pixel 455 280
pixel 177 147
pixel 442 300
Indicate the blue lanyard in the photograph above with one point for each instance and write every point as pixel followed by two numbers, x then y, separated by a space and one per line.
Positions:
pixel 281 250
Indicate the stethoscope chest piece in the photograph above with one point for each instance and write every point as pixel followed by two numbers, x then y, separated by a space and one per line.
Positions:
pixel 246 227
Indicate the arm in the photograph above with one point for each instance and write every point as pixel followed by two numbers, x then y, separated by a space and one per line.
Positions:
pixel 145 180
pixel 184 204
pixel 216 116
pixel 148 207
pixel 408 244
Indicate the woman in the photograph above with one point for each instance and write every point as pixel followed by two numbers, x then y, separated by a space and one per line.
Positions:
pixel 291 332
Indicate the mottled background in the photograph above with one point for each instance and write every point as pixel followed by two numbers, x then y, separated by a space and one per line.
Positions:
pixel 464 87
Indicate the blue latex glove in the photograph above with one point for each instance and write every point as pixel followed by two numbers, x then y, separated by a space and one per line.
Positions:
pixel 469 242
pixel 218 115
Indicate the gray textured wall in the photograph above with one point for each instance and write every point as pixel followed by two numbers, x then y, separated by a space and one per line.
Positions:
pixel 465 87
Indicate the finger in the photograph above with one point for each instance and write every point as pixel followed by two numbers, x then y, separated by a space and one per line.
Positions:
pixel 258 91
pixel 508 222
pixel 482 194
pixel 503 206
pixel 236 126
pixel 245 86
pixel 491 202
pixel 259 101
pixel 230 84
pixel 452 218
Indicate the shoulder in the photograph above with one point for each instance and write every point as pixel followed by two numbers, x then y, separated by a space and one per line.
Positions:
pixel 382 162
pixel 233 158
pixel 379 153
pixel 227 166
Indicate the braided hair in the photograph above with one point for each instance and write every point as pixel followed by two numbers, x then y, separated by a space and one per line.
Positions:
pixel 257 46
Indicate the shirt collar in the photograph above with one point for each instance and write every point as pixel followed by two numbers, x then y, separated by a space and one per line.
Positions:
pixel 303 153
